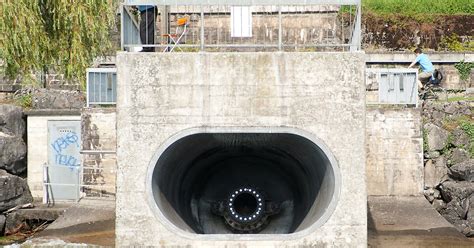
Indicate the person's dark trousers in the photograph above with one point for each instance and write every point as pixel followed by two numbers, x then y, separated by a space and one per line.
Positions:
pixel 147 28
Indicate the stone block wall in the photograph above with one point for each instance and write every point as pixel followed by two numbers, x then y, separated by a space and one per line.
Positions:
pixel 394 151
pixel 99 145
pixel 162 94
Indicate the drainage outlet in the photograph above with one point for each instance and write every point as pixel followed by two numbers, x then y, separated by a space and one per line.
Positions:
pixel 245 183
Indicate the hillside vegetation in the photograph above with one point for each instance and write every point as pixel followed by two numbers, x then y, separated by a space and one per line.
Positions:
pixel 440 25
pixel 420 7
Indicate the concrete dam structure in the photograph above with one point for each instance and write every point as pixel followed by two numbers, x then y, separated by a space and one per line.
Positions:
pixel 241 149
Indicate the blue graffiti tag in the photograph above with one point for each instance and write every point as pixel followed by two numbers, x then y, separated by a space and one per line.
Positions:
pixel 63 142
pixel 67 160
pixel 60 144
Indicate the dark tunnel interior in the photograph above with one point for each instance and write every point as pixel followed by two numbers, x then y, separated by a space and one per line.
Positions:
pixel 198 170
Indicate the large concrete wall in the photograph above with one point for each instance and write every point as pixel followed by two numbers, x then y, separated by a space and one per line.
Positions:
pixel 160 95
pixel 394 151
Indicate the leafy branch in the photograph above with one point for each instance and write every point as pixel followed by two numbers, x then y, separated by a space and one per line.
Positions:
pixel 464 69
pixel 44 35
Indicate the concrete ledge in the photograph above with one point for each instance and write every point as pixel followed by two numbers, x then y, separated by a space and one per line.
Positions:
pixel 47 112
pixel 409 57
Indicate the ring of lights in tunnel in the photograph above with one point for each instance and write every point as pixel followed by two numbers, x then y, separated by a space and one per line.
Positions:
pixel 259 208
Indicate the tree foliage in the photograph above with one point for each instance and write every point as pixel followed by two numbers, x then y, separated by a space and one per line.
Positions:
pixel 64 36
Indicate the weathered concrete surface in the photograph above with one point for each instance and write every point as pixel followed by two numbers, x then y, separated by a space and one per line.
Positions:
pixel 410 222
pixel 394 151
pixel 99 134
pixel 162 94
pixel 37 129
pixel 88 223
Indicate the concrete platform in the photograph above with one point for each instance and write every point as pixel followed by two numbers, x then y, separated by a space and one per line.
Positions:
pixel 392 221
pixel 410 222
pixel 91 222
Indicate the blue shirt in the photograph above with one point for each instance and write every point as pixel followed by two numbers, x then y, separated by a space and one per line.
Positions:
pixel 425 63
pixel 142 8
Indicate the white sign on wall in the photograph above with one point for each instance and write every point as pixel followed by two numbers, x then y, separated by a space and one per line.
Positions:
pixel 241 21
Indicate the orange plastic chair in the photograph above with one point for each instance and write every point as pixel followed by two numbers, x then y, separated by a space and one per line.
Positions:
pixel 174 39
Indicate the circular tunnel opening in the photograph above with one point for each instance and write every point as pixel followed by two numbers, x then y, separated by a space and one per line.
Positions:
pixel 287 183
pixel 245 204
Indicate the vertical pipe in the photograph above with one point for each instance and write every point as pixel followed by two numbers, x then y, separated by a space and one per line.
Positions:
pixel 202 28
pixel 280 31
pixel 87 88
pixel 359 26
pixel 121 26
pixel 45 185
pixel 165 27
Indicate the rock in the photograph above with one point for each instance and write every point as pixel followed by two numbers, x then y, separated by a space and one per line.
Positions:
pixel 451 109
pixel 12 146
pixel 432 154
pixel 460 138
pixel 438 115
pixel 11 120
pixel 19 220
pixel 470 211
pixel 456 190
pixel 429 195
pixel 57 99
pixel 463 171
pixel 457 156
pixel 439 205
pixel 454 211
pixel 2 224
pixel 463 226
pixel 14 191
pixel 12 154
pixel 435 173
pixel 437 137
pixel 436 194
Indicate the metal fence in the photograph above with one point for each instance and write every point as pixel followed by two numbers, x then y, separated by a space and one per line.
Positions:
pixel 394 86
pixel 58 188
pixel 246 25
pixel 101 86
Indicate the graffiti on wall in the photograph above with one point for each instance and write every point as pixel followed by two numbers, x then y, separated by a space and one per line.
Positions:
pixel 63 155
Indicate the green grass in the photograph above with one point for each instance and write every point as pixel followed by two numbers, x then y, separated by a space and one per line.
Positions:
pixel 461 98
pixel 414 7
pixel 468 127
pixel 25 101
pixel 466 123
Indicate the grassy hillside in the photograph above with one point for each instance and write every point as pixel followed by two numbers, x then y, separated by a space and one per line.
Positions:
pixel 417 7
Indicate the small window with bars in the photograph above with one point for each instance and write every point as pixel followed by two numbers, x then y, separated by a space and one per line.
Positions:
pixel 101 86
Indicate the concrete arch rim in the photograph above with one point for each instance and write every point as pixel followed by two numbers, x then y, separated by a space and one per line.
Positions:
pixel 170 226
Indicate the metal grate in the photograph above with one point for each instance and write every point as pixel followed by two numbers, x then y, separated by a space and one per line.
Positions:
pixel 394 86
pixel 101 86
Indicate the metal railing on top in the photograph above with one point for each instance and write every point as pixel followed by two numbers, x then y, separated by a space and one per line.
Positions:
pixel 235 25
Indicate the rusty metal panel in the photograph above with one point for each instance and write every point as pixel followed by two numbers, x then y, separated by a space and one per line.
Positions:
pixel 64 161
